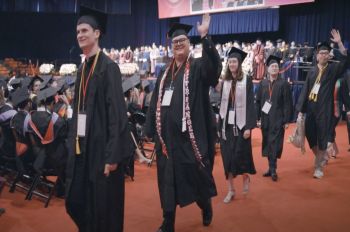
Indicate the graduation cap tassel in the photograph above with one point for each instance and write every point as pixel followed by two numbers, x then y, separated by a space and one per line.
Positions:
pixel 77 146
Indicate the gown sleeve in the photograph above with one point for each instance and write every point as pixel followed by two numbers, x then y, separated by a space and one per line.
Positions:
pixel 119 145
pixel 210 62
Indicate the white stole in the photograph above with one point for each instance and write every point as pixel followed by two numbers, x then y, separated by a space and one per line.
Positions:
pixel 240 103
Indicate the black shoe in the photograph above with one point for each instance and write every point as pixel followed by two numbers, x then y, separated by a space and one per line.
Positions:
pixel 162 229
pixel 207 215
pixel 274 176
pixel 2 211
pixel 168 224
pixel 267 174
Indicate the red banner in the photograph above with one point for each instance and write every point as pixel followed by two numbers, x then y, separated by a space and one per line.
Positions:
pixel 178 8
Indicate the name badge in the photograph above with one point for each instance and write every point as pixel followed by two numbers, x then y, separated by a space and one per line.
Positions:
pixel 231 116
pixel 316 88
pixel 81 125
pixel 167 97
pixel 266 108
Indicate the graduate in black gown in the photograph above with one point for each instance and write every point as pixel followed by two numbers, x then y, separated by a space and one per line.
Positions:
pixel 238 118
pixel 345 99
pixel 63 100
pixel 19 124
pixel 47 133
pixel 181 120
pixel 7 141
pixel 274 108
pixel 99 140
pixel 317 100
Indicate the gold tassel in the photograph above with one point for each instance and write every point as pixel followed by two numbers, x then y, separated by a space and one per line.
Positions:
pixel 77 146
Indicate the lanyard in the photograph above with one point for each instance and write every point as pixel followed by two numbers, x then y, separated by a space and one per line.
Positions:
pixel 312 95
pixel 271 85
pixel 82 80
pixel 173 75
pixel 77 145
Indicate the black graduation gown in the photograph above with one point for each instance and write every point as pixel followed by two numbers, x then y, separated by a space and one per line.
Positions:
pixel 236 151
pixel 17 125
pixel 60 108
pixel 107 141
pixel 345 97
pixel 7 140
pixel 279 114
pixel 319 115
pixel 52 155
pixel 181 181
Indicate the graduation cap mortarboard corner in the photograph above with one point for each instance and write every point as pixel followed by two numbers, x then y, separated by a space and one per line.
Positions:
pixel 324 46
pixel 15 81
pixel 178 29
pixel 29 81
pixel 46 94
pixel 96 19
pixel 26 82
pixel 273 59
pixel 237 53
pixel 145 83
pixel 130 82
pixel 126 85
pixel 45 82
pixel 62 85
pixel 70 80
pixel 19 96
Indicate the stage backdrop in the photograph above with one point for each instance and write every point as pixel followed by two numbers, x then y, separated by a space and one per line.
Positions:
pixel 177 8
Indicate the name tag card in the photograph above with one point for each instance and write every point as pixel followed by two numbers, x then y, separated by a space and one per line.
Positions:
pixel 167 97
pixel 266 108
pixel 316 88
pixel 231 116
pixel 81 125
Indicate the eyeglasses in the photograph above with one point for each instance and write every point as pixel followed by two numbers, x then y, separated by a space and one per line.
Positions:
pixel 178 41
pixel 324 53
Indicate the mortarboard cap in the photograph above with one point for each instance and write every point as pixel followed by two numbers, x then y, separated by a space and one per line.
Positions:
pixel 96 19
pixel 178 29
pixel 62 85
pixel 46 80
pixel 29 81
pixel 26 82
pixel 324 46
pixel 145 83
pixel 46 94
pixel 130 83
pixel 15 82
pixel 70 80
pixel 273 59
pixel 237 53
pixel 19 96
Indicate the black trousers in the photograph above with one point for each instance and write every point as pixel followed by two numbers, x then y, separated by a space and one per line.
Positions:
pixel 272 164
pixel 169 216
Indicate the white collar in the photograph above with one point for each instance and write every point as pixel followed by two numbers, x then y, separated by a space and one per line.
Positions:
pixel 43 109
